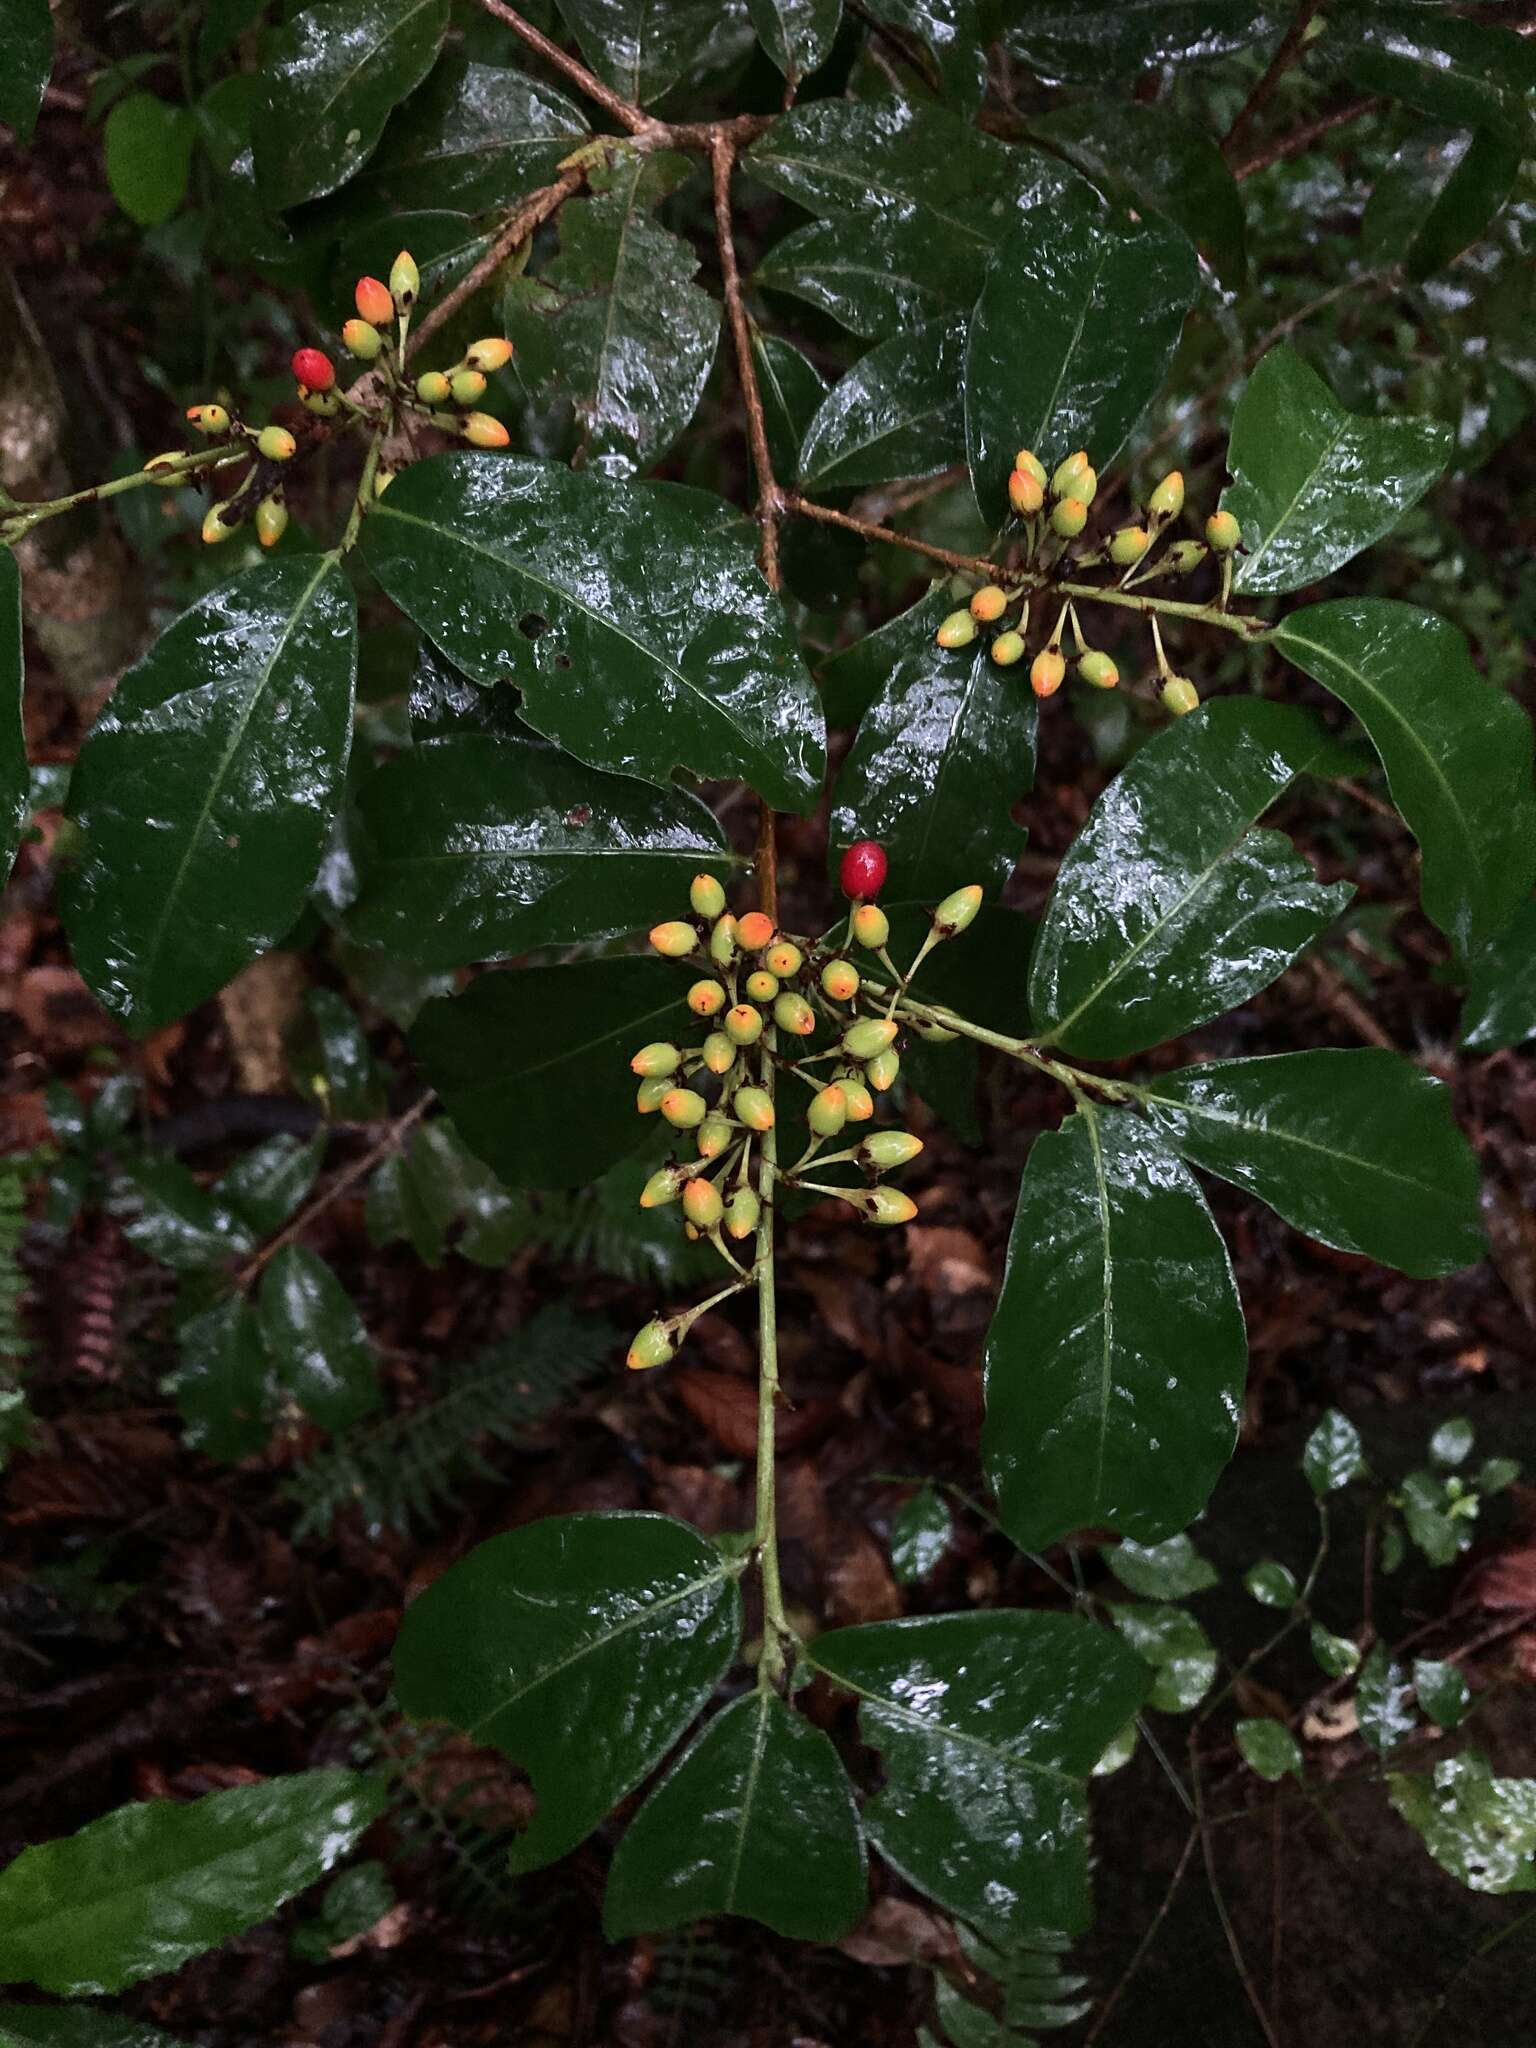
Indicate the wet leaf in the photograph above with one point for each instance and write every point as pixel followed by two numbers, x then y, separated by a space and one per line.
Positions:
pixel 1464 72
pixel 315 1339
pixel 168 1215
pixel 581 1648
pixel 797 34
pixel 266 1185
pixel 145 1887
pixel 1441 1691
pixel 921 1532
pixel 1501 990
pixel 77 2026
pixel 1480 1828
pixel 756 1818
pixel 1359 1149
pixel 640 47
pixel 204 790
pixel 14 775
pixel 1457 750
pixel 948 45
pixel 1170 907
pixel 147 145
pixel 1115 1361
pixel 26 58
pixel 1268 1747
pixel 792 389
pixel 1314 484
pixel 1333 1455
pixel 1178 1650
pixel 897 413
pixel 632 617
pixel 1170 1570
pixel 1271 1583
pixel 1438 196
pixel 1336 1655
pixel 1087 41
pixel 224 1385
pixel 987 1725
pixel 875 276
pixel 1385 1701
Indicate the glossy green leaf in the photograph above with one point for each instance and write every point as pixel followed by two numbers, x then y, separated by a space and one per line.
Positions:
pixel 330 80
pixel 224 1385
pixel 986 1726
pixel 145 1887
pixel 315 1339
pixel 921 1531
pixel 581 1648
pixel 14 776
pixel 756 1818
pixel 268 1183
pixel 1170 906
pixel 533 1064
pixel 1451 1444
pixel 473 139
pixel 1359 1149
pixel 1115 1361
pixel 77 2026
pixel 169 1216
pixel 446 245
pixel 1314 484
pixel 1084 42
pixel 205 788
pixel 1170 1570
pixel 640 47
pixel 875 276
pixel 1384 1701
pixel 1500 1008
pixel 1480 1828
pixel 897 413
pixel 1268 1747
pixel 1336 1655
pixel 1271 1583
pixel 947 45
pixel 614 325
pixel 1428 1515
pixel 26 58
pixel 797 34
pixel 333 1061
pixel 1078 317
pixel 1437 197
pixel 1467 73
pixel 633 617
pixel 147 144
pixel 1457 750
pixel 1178 1650
pixel 942 756
pixel 1333 1455
pixel 1441 1691
pixel 436 1185
pixel 791 388
pixel 354 1901
pixel 478 847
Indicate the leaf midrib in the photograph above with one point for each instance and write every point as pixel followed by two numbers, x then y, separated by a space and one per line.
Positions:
pixel 944 1731
pixel 1288 1137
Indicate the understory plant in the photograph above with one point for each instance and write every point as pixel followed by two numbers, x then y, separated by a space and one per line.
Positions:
pixel 602 675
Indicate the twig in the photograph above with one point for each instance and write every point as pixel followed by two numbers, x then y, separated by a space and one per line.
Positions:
pixel 533 212
pixel 770 499
pixel 1234 1947
pixel 1275 70
pixel 827 515
pixel 1303 138
pixel 585 81
pixel 1101 2020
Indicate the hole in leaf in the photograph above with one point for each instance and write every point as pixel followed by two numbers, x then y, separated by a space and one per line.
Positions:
pixel 532 624
pixel 562 661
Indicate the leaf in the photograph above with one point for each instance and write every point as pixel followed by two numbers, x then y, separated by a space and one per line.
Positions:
pixel 533 1065
pixel 1169 907
pixel 951 31
pixel 1115 1361
pixel 1268 1747
pixel 1438 196
pixel 1384 1701
pixel 76 2026
pixel 791 389
pixel 1088 41
pixel 1463 72
pixel 26 58
pixel 1428 1513
pixel 921 1532
pixel 615 325
pixel 1178 1650
pixel 797 34
pixel 1333 1455
pixel 1271 1583
pixel 1170 1570
pixel 640 47
pixel 315 1340
pixel 632 617
pixel 223 1385
pixel 1357 1148
pixel 581 1648
pixel 1336 1655
pixel 1451 1444
pixel 204 790
pixel 148 149
pixel 874 275
pixel 332 1060
pixel 1078 318
pixel 1441 1691
pixel 897 413
pixel 1313 484
pixel 477 847
pixel 1501 990
pixel 329 81
pixel 140 1890
pixel 986 1726
pixel 941 757
pixel 1457 751
pixel 166 1214
pixel 15 781
pixel 756 1818
pixel 1480 1828
pixel 268 1183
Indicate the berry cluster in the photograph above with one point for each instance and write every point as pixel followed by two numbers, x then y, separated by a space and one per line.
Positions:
pixel 764 996
pixel 1051 515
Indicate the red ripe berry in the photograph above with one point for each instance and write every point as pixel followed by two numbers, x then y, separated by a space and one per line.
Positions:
pixel 863 871
pixel 314 369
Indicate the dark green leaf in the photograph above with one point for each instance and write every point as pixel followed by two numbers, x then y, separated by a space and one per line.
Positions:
pixel 330 80
pixel 851 679
pixel 354 1901
pixel 897 413
pixel 1170 907
pixel 1437 197
pixel 640 47
pixel 224 1384
pixel 1467 73
pixel 632 617
pixel 941 758
pixel 1333 1455
pixel 479 847
pixel 333 1060
pixel 446 246
pixel 756 1818
pixel 76 2026
pixel 791 389
pixel 315 1340
pixel 1314 484
pixel 1336 1655
pixel 148 147
pixel 1171 1570
pixel 1087 41
pixel 1427 1510
pixel 168 1216
pixel 1115 1361
pixel 1268 1747
pixel 581 1648
pixel 1271 1583
pixel 14 776
pixel 1359 1149
pixel 1480 1828
pixel 614 325
pixel 1456 748
pixel 268 1184
pixel 533 1064
pixel 145 1887
pixel 1441 1691
pixel 204 790
pixel 986 1725
pixel 797 34
pixel 875 276
pixel 1501 992
pixel 1079 315
pixel 26 58
pixel 921 1532
pixel 1384 1701
pixel 946 41
pixel 1177 1649
pixel 1451 1444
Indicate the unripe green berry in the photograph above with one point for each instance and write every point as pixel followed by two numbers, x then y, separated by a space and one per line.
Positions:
pixel 1008 648
pixel 1026 494
pixel 1097 668
pixel 214 527
pixel 493 353
pixel 931 1033
pixel 861 1104
pixel 887 1206
pixel 208 419
pixel 659 1057
pixel 1066 471
pixel 989 603
pixel 828 1111
pixel 654 1345
pixel 870 1035
pixel 702 1204
pixel 433 388
pixel 884 1149
pixel 783 959
pixel 719 1053
pixel 323 404
pixel 957 911
pixel 714 1134
pixel 706 896
pixel 467 386
pixel 1167 501
pixel 652 1092
pixel 361 339
pixel 706 999
pixel 1068 517
pixel 871 926
pixel 271 521
pixel 743 1024
pixel 1031 465
pixel 1046 672
pixel 881 1071
pixel 754 1108
pixel 1223 532
pixel 275 443
pixel 761 986
pixel 794 1014
pixel 742 1213
pixel 675 940
pixel 404 281
pixel 724 940
pixel 1084 486
pixel 159 467
pixel 1128 545
pixel 684 1109
pixel 958 630
pixel 1180 696
pixel 663 1187
pixel 840 980
pixel 1185 555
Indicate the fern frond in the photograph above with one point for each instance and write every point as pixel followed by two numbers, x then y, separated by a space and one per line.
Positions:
pixel 690 1978
pixel 1011 1993
pixel 15 1416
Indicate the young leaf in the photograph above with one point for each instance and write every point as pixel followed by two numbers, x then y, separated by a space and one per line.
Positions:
pixel 1501 990
pixel 897 413
pixel 204 790
pixel 640 47
pixel 1480 1828
pixel 1079 315
pixel 147 145
pixel 1271 1583
pixel 921 1532
pixel 1336 1655
pixel 77 2026
pixel 145 1887
pixel 1170 1570
pixel 1268 1747
pixel 1178 1650
pixel 14 779
pixel 170 1216
pixel 224 1384
pixel 581 1648
pixel 1457 751
pixel 315 1340
pixel 1115 1361
pixel 1441 1691
pixel 1169 907
pixel 797 34
pixel 328 83
pixel 26 58
pixel 756 1818
pixel 1333 1454
pixel 1314 484
pixel 533 1065
pixel 478 847
pixel 1384 1701
pixel 1357 1148
pixel 987 1725
pixel 1086 42
pixel 632 617
pixel 1451 1444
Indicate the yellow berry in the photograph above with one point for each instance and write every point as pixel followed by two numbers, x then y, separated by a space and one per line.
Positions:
pixel 1047 671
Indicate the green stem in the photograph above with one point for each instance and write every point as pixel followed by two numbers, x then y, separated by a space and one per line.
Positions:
pixel 17 525
pixel 777 1632
pixel 1073 1078
pixel 1244 625
pixel 364 496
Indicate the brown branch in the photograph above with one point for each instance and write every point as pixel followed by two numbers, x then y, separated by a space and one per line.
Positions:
pixel 1303 138
pixel 634 118
pixel 1275 70
pixel 1101 2018
pixel 533 212
pixel 770 499
pixel 807 508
